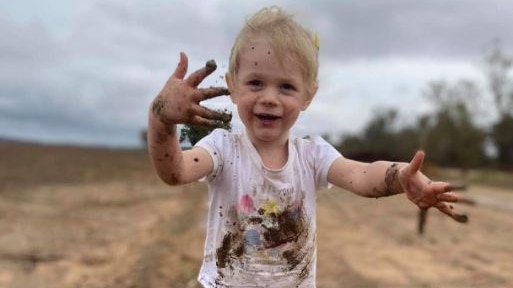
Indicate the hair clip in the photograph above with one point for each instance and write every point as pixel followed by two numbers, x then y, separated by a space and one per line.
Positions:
pixel 317 41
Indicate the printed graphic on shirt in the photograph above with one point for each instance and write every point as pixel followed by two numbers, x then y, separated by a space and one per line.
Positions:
pixel 265 234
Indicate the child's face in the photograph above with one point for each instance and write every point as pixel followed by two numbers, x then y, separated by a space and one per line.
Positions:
pixel 269 96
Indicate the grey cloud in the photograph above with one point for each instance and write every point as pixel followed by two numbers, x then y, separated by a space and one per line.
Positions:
pixel 95 82
pixel 435 28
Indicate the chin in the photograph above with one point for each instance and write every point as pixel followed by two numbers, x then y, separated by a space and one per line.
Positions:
pixel 268 136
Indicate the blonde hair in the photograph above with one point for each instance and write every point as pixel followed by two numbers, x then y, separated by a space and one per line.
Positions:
pixel 287 38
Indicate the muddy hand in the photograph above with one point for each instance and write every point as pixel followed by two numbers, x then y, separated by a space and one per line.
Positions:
pixel 178 102
pixel 450 196
pixel 445 195
pixel 425 193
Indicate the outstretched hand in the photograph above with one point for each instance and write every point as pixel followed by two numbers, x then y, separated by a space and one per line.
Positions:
pixel 426 193
pixel 178 102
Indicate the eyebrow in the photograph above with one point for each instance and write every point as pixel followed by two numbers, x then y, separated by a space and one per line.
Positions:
pixel 261 75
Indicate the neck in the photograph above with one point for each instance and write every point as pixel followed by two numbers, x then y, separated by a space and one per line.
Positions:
pixel 274 154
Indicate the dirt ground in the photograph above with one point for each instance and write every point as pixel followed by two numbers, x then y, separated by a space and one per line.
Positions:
pixel 137 232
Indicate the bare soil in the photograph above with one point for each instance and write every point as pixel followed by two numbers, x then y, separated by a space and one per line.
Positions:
pixel 127 229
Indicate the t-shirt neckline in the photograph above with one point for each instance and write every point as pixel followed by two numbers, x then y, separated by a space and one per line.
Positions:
pixel 258 160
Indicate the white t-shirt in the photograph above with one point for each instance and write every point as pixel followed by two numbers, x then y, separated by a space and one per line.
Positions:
pixel 261 229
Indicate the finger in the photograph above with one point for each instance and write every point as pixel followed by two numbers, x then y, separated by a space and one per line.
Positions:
pixel 446 209
pixel 210 114
pixel 198 120
pixel 462 218
pixel 448 197
pixel 443 187
pixel 455 187
pixel 181 69
pixel 212 92
pixel 195 78
pixel 424 205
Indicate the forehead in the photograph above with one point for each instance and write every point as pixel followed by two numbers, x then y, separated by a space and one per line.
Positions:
pixel 258 55
pixel 257 46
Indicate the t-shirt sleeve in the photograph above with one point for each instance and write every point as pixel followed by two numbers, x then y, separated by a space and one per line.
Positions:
pixel 322 156
pixel 213 143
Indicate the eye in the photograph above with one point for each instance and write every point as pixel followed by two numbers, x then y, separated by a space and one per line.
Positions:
pixel 255 84
pixel 288 87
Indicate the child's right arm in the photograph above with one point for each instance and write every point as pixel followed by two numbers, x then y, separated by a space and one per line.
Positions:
pixel 178 103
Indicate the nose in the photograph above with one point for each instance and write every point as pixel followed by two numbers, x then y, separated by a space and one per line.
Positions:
pixel 269 97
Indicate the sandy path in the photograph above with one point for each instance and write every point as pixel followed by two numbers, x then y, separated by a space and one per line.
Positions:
pixel 144 234
pixel 85 236
pixel 377 240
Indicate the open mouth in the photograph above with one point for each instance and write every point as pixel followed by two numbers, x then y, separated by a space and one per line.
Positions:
pixel 267 117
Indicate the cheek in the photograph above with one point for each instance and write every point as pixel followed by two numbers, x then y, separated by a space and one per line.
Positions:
pixel 293 106
pixel 244 108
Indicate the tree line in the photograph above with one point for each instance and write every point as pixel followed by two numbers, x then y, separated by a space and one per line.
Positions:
pixel 451 135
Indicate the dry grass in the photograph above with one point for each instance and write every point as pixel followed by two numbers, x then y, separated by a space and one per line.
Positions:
pixel 94 218
pixel 25 165
pixel 488 177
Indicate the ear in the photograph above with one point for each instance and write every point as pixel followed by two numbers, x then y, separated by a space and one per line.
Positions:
pixel 231 87
pixel 306 104
pixel 309 97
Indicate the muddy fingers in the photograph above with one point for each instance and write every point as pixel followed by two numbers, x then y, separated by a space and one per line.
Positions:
pixel 455 187
pixel 223 116
pixel 198 120
pixel 210 114
pixel 448 197
pixel 199 75
pixel 446 209
pixel 212 92
pixel 462 218
pixel 210 66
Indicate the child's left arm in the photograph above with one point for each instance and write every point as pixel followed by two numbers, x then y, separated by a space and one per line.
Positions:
pixel 383 178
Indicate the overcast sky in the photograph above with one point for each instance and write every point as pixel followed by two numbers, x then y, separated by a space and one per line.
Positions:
pixel 85 72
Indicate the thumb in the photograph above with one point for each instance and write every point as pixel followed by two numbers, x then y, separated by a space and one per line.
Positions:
pixel 415 163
